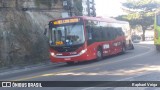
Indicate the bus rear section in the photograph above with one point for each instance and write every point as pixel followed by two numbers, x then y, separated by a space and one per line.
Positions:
pixel 157 31
pixel 107 37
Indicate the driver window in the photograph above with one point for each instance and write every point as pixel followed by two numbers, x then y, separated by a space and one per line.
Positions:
pixel 89 32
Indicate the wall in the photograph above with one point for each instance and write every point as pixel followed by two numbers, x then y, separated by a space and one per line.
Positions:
pixel 21 34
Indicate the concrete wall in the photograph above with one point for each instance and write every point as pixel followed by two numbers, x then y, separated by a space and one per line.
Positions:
pixel 21 35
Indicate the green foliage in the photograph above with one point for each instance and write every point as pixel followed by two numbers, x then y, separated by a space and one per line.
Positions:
pixel 134 16
pixel 141 13
pixel 144 14
pixel 146 5
pixel 143 19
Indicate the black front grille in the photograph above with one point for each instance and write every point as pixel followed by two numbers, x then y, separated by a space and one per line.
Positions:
pixel 67 48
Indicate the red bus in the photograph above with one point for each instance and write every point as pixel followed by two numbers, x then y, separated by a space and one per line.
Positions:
pixel 83 38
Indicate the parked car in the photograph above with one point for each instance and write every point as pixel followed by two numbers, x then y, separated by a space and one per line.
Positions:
pixel 136 38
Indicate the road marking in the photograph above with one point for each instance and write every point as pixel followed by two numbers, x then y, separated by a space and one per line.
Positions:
pixel 91 88
pixel 54 73
pixel 124 79
pixel 129 78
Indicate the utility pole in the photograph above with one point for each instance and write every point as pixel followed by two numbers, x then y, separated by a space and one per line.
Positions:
pixel 67 5
pixel 70 7
pixel 91 8
pixel 88 7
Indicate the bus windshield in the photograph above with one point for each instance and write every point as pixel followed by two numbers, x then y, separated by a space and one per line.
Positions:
pixel 67 35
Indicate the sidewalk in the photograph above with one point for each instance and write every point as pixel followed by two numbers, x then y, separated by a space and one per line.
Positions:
pixel 11 72
pixel 145 42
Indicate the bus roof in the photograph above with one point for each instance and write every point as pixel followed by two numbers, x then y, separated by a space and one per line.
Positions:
pixel 106 19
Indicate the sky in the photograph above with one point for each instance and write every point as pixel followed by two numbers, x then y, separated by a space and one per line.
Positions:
pixel 109 8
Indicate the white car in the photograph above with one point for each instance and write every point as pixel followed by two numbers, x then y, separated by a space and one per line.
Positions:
pixel 136 40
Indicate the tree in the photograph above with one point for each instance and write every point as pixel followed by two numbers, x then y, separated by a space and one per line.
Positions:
pixel 140 12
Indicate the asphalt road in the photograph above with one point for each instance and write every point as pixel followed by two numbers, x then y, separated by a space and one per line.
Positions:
pixel 141 64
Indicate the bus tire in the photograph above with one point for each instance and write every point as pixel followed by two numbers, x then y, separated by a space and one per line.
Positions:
pixel 123 49
pixel 70 63
pixel 132 47
pixel 99 54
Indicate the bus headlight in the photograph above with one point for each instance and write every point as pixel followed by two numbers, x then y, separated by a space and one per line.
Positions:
pixel 52 54
pixel 83 51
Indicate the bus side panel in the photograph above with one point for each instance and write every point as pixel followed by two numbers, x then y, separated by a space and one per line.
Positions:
pixel 105 46
pixel 108 48
pixel 116 47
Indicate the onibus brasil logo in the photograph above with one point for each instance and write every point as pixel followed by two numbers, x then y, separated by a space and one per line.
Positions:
pixel 20 84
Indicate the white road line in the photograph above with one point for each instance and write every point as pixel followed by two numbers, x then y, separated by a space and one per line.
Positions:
pixel 88 88
pixel 129 78
pixel 150 50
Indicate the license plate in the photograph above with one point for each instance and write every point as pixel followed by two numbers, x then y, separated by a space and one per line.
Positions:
pixel 67 59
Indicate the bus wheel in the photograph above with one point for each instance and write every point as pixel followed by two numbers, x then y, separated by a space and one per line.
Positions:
pixel 132 47
pixel 70 63
pixel 123 49
pixel 99 54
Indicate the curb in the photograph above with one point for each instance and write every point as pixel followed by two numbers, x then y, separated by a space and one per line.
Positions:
pixel 7 73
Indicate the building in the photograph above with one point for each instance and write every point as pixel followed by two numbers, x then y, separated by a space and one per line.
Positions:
pixel 88 8
pixel 80 7
pixel 85 7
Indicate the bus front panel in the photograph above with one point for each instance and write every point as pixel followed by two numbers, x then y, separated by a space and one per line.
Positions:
pixel 67 40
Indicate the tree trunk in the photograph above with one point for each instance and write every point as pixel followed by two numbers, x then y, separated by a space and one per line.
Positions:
pixel 143 36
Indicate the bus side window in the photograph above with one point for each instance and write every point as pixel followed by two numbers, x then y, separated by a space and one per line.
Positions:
pixel 101 33
pixel 104 34
pixel 121 32
pixel 108 34
pixel 89 33
pixel 118 32
pixel 115 33
pixel 97 34
pixel 112 33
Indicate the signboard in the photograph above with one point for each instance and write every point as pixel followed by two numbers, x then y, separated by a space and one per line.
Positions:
pixel 66 21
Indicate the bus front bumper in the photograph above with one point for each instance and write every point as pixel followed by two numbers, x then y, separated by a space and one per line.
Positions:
pixel 82 56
